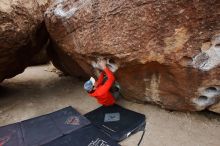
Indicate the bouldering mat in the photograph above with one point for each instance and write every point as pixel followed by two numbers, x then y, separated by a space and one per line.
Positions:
pixel 40 130
pixel 68 120
pixel 87 136
pixel 116 121
pixel 11 135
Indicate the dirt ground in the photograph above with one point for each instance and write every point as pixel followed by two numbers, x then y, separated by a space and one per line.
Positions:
pixel 39 90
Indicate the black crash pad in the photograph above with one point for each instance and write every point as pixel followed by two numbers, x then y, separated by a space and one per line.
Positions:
pixel 39 131
pixel 11 135
pixel 68 120
pixel 43 129
pixel 116 121
pixel 87 136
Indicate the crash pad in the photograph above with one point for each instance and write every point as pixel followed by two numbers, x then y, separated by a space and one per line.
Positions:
pixel 117 122
pixel 39 131
pixel 11 135
pixel 43 129
pixel 68 120
pixel 87 136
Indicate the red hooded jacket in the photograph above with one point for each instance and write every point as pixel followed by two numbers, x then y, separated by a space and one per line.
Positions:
pixel 102 93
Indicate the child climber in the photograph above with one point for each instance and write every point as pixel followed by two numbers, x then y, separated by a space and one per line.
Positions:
pixel 102 88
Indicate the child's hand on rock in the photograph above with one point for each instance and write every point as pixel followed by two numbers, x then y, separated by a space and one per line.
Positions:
pixel 102 63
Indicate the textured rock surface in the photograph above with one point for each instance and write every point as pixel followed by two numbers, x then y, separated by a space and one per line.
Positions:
pixel 215 108
pixel 22 34
pixel 41 57
pixel 64 62
pixel 167 51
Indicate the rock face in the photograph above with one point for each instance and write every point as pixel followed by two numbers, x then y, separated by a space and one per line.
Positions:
pixel 215 108
pixel 41 57
pixel 167 51
pixel 22 34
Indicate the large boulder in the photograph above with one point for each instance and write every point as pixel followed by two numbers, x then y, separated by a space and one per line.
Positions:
pixel 41 57
pixel 22 34
pixel 167 51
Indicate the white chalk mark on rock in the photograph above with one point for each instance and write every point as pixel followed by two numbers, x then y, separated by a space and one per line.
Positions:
pixel 208 96
pixel 152 93
pixel 210 58
pixel 112 66
pixel 60 11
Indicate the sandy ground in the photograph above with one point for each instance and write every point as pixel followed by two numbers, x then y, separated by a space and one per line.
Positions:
pixel 38 91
